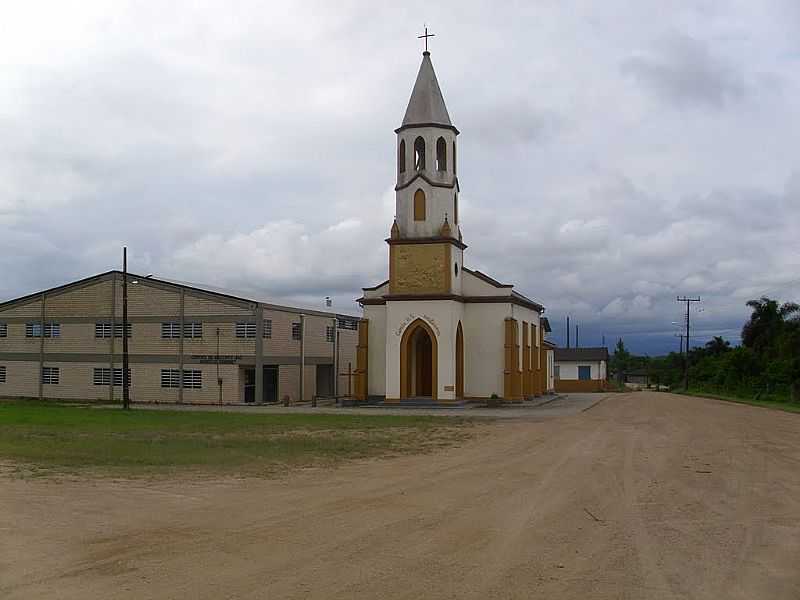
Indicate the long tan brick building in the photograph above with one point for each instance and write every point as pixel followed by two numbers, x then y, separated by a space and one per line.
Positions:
pixel 186 344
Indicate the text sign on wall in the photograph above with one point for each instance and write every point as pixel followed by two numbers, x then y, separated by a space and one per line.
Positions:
pixel 226 359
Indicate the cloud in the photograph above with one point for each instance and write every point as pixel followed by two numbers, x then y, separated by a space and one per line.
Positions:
pixel 682 70
pixel 254 149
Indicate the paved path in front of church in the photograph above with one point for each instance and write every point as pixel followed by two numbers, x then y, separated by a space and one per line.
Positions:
pixel 646 495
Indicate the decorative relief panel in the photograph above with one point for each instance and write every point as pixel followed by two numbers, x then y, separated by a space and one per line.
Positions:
pixel 420 269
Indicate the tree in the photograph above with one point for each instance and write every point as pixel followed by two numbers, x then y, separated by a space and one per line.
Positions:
pixel 767 322
pixel 620 361
pixel 717 346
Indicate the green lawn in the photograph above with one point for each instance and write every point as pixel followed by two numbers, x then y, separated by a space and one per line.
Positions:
pixel 43 438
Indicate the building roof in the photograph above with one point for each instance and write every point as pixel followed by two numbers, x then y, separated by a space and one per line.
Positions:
pixel 546 324
pixel 426 106
pixel 578 354
pixel 205 289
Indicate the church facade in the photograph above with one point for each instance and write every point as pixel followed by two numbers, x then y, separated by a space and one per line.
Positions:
pixel 436 330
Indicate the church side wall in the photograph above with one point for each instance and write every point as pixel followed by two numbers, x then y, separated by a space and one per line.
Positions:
pixel 484 349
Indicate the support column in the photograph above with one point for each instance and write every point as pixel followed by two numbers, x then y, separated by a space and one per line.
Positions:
pixel 41 347
pixel 111 344
pixel 180 346
pixel 302 357
pixel 362 366
pixel 259 393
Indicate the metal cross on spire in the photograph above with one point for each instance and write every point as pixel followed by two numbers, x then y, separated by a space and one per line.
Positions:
pixel 426 35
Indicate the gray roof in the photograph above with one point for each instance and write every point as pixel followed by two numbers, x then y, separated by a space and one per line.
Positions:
pixel 579 354
pixel 426 105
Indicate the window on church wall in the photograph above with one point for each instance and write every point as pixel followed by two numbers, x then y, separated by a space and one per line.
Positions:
pixel 441 154
pixel 419 154
pixel 401 157
pixel 419 205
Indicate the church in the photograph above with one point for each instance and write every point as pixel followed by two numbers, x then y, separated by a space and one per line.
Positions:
pixel 436 331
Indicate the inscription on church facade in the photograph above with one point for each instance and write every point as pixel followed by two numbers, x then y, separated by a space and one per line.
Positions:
pixel 413 317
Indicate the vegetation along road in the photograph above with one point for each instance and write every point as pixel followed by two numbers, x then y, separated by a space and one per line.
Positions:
pixel 645 495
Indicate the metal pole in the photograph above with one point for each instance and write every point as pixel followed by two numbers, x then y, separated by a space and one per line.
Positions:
pixel 126 400
pixel 567 332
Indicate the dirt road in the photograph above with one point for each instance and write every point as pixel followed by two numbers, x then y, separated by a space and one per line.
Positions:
pixel 643 496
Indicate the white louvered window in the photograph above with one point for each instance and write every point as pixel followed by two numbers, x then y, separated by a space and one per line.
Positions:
pixel 171 330
pixel 245 330
pixel 102 330
pixel 2 374
pixel 3 329
pixel 50 375
pixel 102 376
pixel 51 329
pixel 170 378
pixel 330 333
pixel 118 330
pixel 268 328
pixel 296 332
pixel 193 329
pixel 193 379
pixel 347 323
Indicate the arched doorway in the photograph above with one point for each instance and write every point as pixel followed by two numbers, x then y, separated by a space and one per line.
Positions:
pixel 459 362
pixel 418 361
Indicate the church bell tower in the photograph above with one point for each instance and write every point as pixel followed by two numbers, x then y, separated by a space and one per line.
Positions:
pixel 426 250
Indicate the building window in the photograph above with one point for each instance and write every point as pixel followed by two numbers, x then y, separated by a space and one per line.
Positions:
pixel 33 330
pixel 347 323
pixel 193 329
pixel 50 375
pixel 170 330
pixel 102 376
pixel 419 154
pixel 584 372
pixel 557 372
pixel 193 379
pixel 3 330
pixel 103 330
pixel 441 154
pixel 2 374
pixel 245 330
pixel 296 331
pixel 330 333
pixel 170 378
pixel 268 329
pixel 401 157
pixel 419 205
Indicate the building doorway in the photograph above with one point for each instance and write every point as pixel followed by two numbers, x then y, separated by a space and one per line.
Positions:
pixel 270 392
pixel 418 362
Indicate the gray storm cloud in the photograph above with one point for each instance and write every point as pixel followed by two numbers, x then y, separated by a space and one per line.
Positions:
pixel 606 163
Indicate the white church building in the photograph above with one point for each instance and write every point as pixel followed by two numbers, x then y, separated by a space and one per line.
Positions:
pixel 437 331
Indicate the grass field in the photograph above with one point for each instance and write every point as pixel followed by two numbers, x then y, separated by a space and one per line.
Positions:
pixel 46 438
pixel 774 404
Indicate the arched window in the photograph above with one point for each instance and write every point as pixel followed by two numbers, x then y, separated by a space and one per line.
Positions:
pixel 454 156
pixel 441 154
pixel 419 154
pixel 455 208
pixel 419 205
pixel 401 157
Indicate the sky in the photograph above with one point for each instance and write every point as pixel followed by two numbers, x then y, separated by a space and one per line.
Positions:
pixel 613 155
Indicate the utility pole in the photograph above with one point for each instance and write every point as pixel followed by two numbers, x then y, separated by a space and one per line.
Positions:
pixel 126 400
pixel 686 359
pixel 604 340
pixel 567 332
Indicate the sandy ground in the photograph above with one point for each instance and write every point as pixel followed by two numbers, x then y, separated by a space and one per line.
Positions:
pixel 643 496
